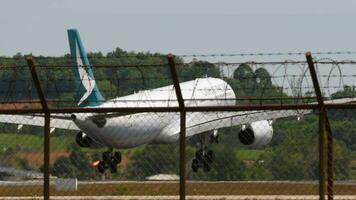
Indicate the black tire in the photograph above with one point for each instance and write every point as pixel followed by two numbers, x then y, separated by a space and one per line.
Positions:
pixel 113 168
pixel 195 165
pixel 101 167
pixel 199 155
pixel 107 157
pixel 116 159
pixel 210 156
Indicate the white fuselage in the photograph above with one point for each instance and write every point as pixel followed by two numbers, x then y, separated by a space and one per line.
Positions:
pixel 131 130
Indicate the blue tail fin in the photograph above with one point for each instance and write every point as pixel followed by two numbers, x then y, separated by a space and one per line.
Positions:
pixel 89 92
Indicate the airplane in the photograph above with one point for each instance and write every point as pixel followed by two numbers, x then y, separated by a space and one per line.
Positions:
pixel 128 130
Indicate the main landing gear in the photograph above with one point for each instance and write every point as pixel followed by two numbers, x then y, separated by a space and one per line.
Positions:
pixel 203 159
pixel 110 160
pixel 204 156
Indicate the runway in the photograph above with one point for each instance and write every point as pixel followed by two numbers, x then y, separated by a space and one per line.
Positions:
pixel 212 197
pixel 40 182
pixel 162 190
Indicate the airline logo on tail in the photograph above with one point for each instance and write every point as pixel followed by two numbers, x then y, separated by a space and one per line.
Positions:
pixel 86 80
pixel 84 74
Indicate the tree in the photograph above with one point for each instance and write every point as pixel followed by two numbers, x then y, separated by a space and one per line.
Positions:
pixel 294 153
pixel 347 92
pixel 244 73
pixel 197 69
pixel 227 165
pixel 263 78
pixel 76 165
pixel 64 168
pixel 349 114
pixel 152 160
pixel 258 171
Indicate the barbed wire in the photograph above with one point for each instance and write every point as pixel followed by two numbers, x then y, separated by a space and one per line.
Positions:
pixel 288 62
pixel 292 82
pixel 140 54
pixel 168 79
pixel 269 54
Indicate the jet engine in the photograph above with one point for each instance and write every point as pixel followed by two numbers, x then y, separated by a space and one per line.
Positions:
pixel 257 134
pixel 84 140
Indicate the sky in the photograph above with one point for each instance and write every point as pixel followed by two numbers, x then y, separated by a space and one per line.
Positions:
pixel 178 27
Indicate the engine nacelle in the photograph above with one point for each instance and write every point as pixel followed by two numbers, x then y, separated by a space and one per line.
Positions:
pixel 257 134
pixel 84 140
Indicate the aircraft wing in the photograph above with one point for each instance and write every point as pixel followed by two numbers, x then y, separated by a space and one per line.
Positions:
pixel 57 121
pixel 200 122
pixel 197 122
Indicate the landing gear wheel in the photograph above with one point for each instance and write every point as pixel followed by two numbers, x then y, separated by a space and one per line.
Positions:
pixel 101 167
pixel 113 168
pixel 195 165
pixel 210 156
pixel 116 159
pixel 199 155
pixel 110 161
pixel 107 156
pixel 202 159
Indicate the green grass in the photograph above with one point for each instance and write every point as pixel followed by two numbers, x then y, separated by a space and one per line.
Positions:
pixel 33 143
pixel 17 142
pixel 249 154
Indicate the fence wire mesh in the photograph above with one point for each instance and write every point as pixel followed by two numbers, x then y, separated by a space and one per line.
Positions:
pixel 246 140
pixel 342 127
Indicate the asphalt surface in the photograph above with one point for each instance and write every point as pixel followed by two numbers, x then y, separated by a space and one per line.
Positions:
pixel 25 174
pixel 40 182
pixel 210 197
pixel 232 197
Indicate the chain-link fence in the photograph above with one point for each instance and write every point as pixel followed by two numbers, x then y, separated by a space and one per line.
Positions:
pixel 151 126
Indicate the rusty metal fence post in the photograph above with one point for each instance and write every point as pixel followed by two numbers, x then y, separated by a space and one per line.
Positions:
pixel 182 142
pixel 330 160
pixel 324 128
pixel 46 111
